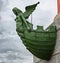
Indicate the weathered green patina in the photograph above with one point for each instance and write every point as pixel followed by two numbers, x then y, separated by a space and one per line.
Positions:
pixel 39 42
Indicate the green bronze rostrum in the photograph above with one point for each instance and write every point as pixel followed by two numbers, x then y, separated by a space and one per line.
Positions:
pixel 39 42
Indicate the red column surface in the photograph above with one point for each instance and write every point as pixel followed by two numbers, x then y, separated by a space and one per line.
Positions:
pixel 58 2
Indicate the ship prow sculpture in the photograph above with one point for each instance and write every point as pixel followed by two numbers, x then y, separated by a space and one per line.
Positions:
pixel 39 42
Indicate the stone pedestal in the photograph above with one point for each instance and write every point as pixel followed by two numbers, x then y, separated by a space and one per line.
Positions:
pixel 56 55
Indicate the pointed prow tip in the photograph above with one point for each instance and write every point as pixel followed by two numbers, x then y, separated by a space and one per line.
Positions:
pixel 38 3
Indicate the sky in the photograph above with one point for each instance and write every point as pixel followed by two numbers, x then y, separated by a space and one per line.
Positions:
pixel 43 15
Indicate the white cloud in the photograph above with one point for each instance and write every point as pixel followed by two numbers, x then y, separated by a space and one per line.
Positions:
pixel 43 15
